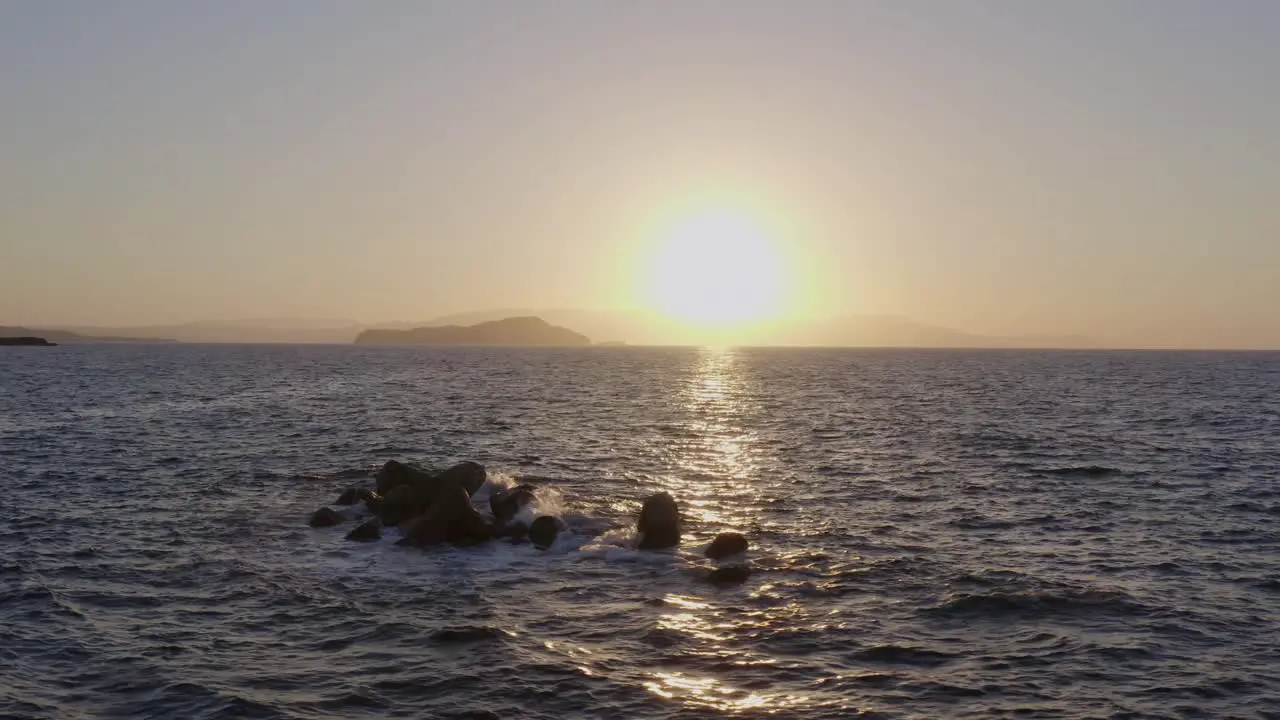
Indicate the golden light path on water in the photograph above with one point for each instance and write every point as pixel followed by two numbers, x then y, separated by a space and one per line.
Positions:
pixel 716 459
pixel 718 470
pixel 711 660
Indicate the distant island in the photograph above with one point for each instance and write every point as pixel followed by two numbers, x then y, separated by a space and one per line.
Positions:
pixel 66 336
pixel 27 340
pixel 522 331
pixel 617 327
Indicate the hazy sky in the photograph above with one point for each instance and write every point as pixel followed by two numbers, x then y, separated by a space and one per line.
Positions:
pixel 1108 168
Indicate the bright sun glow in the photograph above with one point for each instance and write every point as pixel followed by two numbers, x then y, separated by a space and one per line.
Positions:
pixel 717 270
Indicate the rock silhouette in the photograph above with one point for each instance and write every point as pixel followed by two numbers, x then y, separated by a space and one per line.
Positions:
pixel 507 504
pixel 26 340
pixel 395 473
pixel 436 508
pixel 402 503
pixel 725 545
pixel 425 485
pixel 469 475
pixel 451 519
pixel 370 529
pixel 325 517
pixel 543 531
pixel 659 523
pixel 53 337
pixel 428 508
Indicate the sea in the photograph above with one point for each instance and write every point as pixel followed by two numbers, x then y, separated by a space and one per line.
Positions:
pixel 933 534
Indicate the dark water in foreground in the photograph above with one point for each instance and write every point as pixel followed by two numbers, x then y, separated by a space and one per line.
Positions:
pixel 935 534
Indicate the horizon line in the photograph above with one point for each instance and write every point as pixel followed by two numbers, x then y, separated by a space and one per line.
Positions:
pixel 611 345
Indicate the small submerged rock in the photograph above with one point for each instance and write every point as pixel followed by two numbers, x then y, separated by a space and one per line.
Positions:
pixel 325 517
pixel 659 523
pixel 725 545
pixel 543 531
pixel 370 529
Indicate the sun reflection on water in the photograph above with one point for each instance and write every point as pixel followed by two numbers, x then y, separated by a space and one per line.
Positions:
pixel 690 623
pixel 697 618
pixel 715 462
pixel 718 472
pixel 702 691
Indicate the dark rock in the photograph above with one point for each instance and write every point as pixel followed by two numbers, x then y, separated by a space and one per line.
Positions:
pixel 370 529
pixel 543 531
pixel 52 337
pixel 426 487
pixel 659 523
pixel 352 496
pixel 507 504
pixel 451 518
pixel 726 544
pixel 417 531
pixel 325 517
pixel 729 575
pixel 467 475
pixel 36 341
pixel 395 473
pixel 402 503
pixel 375 503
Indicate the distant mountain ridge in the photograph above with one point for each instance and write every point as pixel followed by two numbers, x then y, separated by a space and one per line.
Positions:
pixel 897 331
pixel 269 330
pixel 523 331
pixel 627 326
pixel 66 336
pixel 642 328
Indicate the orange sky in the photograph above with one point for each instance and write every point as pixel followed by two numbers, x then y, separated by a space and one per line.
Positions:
pixel 1106 169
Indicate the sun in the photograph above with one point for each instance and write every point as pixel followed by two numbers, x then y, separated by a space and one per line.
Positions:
pixel 717 270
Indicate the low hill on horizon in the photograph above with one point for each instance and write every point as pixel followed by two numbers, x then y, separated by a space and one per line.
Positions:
pixel 863 330
pixel 617 326
pixel 249 331
pixel 67 336
pixel 26 341
pixel 521 331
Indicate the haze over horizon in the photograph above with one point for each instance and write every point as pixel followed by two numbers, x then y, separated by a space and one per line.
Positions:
pixel 1106 170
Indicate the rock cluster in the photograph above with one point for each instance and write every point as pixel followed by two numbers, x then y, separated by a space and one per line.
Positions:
pixel 434 508
pixel 431 508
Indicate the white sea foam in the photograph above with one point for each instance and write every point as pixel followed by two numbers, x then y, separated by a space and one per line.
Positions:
pixel 546 501
pixel 496 482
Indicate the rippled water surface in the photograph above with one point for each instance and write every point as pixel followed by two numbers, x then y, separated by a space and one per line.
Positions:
pixel 934 534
